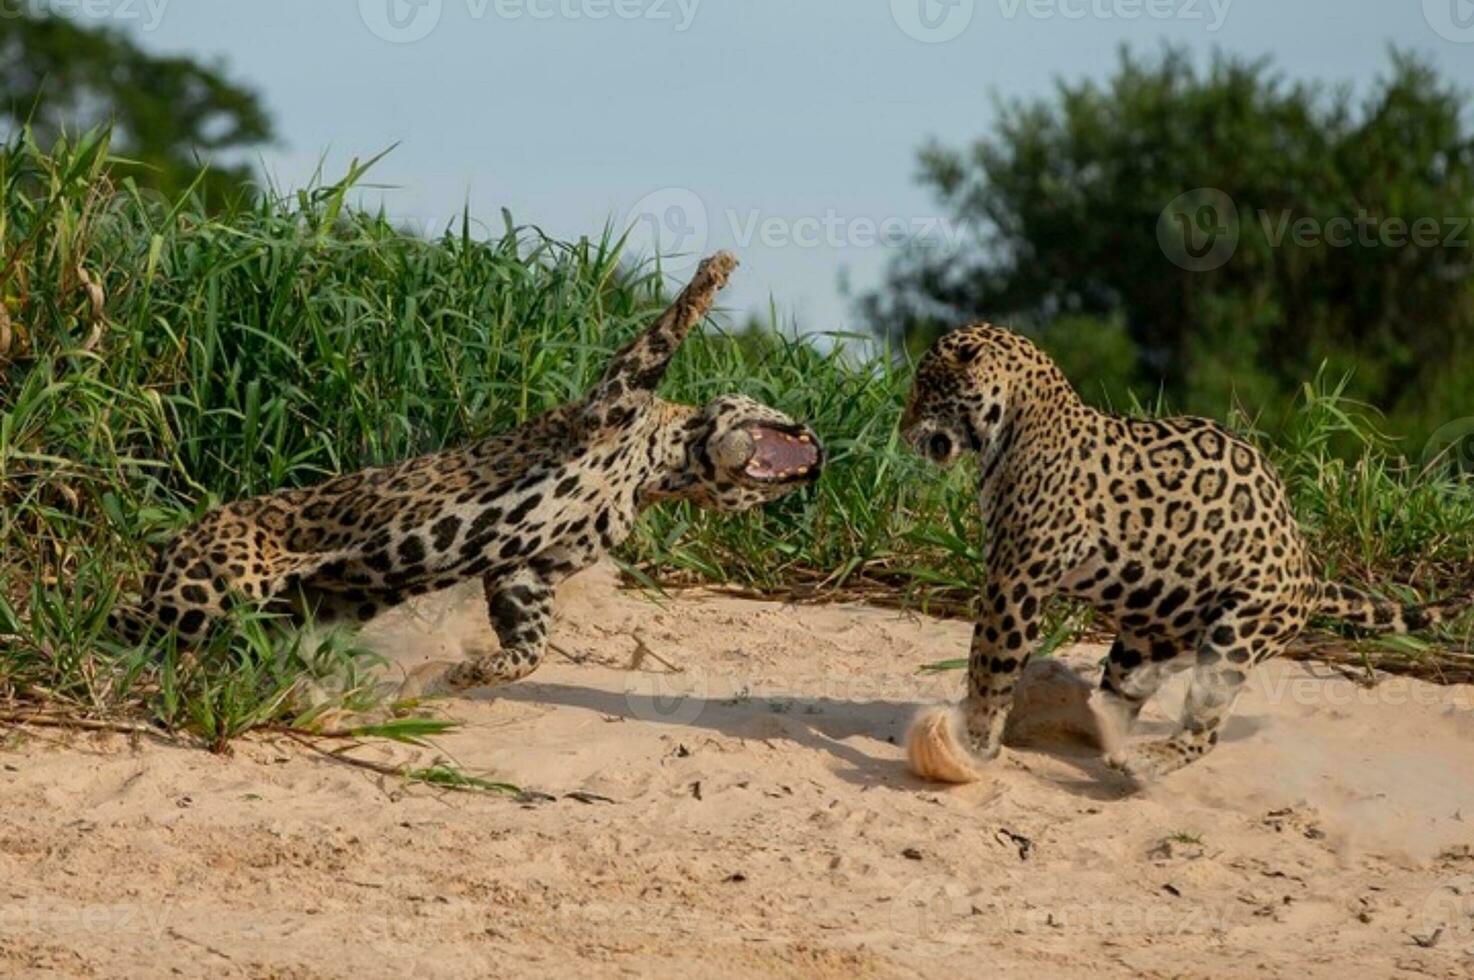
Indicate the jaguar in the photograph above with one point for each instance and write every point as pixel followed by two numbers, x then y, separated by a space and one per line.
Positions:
pixel 521 510
pixel 1175 530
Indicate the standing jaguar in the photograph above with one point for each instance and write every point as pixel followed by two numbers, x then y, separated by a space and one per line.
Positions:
pixel 521 510
pixel 1174 529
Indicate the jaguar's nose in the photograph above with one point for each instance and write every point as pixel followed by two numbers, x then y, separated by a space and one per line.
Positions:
pixel 935 443
pixel 939 447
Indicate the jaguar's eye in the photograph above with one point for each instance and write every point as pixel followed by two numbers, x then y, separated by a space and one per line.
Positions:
pixel 939 446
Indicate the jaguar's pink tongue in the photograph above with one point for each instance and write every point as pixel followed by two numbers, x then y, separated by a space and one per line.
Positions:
pixel 781 455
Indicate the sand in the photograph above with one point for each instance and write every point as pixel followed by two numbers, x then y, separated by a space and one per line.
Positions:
pixel 753 815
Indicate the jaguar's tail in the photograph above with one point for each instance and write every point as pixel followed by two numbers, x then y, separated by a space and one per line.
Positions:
pixel 1358 608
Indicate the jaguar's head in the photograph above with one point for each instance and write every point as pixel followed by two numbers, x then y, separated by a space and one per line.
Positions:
pixel 736 453
pixel 963 389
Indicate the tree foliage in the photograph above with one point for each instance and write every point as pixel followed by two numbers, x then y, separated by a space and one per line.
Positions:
pixel 169 115
pixel 1352 215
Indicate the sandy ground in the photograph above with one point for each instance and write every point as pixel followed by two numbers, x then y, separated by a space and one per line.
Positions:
pixel 759 822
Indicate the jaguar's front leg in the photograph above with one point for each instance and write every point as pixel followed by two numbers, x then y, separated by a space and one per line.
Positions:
pixel 520 607
pixel 953 744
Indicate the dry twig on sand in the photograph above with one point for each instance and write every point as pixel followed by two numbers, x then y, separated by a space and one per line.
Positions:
pixel 642 650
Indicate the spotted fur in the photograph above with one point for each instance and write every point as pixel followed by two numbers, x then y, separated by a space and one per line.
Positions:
pixel 1175 530
pixel 521 510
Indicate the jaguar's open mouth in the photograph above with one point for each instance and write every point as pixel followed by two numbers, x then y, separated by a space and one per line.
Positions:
pixel 782 455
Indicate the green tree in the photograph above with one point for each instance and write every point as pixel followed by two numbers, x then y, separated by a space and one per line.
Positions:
pixel 169 115
pixel 1351 217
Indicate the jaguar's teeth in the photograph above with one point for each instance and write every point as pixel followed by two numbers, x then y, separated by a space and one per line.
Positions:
pixel 802 471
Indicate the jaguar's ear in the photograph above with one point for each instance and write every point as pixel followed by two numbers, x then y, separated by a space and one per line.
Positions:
pixel 639 367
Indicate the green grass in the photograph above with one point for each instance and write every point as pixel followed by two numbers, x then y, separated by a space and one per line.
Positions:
pixel 156 360
pixel 450 777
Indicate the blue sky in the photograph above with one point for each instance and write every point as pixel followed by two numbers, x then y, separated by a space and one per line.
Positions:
pixel 784 130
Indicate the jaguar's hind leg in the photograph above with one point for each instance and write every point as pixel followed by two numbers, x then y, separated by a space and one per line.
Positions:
pixel 1136 667
pixel 1229 647
pixel 199 576
pixel 178 603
